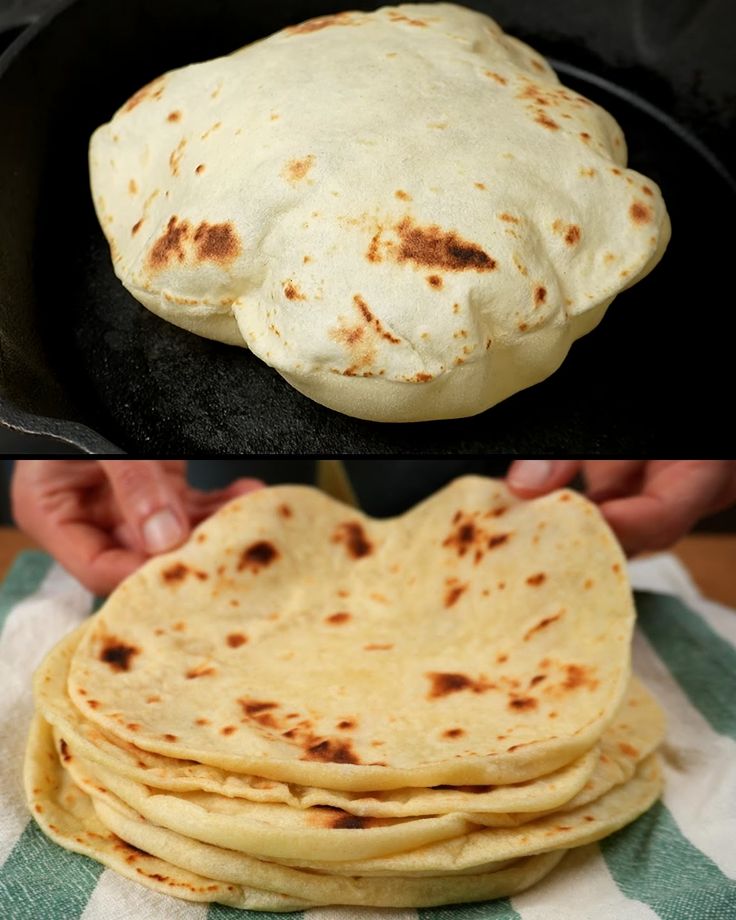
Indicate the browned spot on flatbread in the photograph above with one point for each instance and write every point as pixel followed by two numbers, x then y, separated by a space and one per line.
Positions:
pixel 373 320
pixel 296 170
pixel 93 704
pixel 399 17
pixel 136 227
pixel 402 195
pixel 228 729
pixel 540 295
pixel 569 232
pixel 543 119
pixel 331 751
pixel 169 737
pixel 353 537
pixel 346 724
pixel 454 592
pixel 200 169
pixel 435 281
pixel 433 247
pixel 578 676
pixel 178 571
pixel 175 157
pixel 453 733
pixel 337 619
pixel 320 22
pixel 133 187
pixel 378 646
pixel 285 511
pixel 443 683
pixel 117 654
pixel 174 116
pixel 628 749
pixel 497 539
pixel 640 213
pixel 235 640
pixel 64 751
pixel 523 703
pixel 508 218
pixel 200 670
pixel 502 81
pixel 542 624
pixel 292 292
pixel 536 580
pixel 154 89
pixel 170 245
pixel 202 721
pixel 216 243
pixel 257 556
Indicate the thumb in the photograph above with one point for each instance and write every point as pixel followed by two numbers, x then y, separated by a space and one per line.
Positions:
pixel 530 478
pixel 149 504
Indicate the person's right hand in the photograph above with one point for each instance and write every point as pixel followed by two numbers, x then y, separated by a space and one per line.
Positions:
pixel 102 519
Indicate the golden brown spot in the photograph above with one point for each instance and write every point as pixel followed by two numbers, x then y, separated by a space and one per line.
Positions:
pixel 640 213
pixel 453 733
pixel 584 136
pixel 38 809
pixel 346 724
pixel 404 196
pixel 174 116
pixel 257 556
pixel 321 22
pixel 136 227
pixel 200 670
pixel 588 584
pixel 578 676
pixel 498 539
pixel 540 295
pixel 200 169
pixel 296 170
pixel 399 17
pixel 177 572
pixel 542 624
pixel 330 751
pixel 587 171
pixel 422 377
pixel 523 327
pixel 501 659
pixel 64 751
pixel 374 321
pixel 523 704
pixel 93 704
pixel 202 721
pixel 285 511
pixel 436 248
pixel 175 157
pixel 170 245
pixel 378 646
pixel 647 190
pixel 352 535
pixel 497 77
pixel 168 737
pixel 536 65
pixel 537 679
pixel 454 593
pixel 117 653
pixel 216 242
pixel 228 729
pixel 616 171
pixel 235 640
pixel 292 292
pixel 536 580
pixel 589 817
pixel 143 93
pixel 543 119
pixel 628 749
pixel 435 281
pixel 444 683
pixel 133 187
pixel 337 618
pixel 480 185
pixel 509 218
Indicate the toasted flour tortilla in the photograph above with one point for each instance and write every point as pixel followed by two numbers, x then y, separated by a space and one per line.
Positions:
pixel 66 814
pixel 403 212
pixel 160 772
pixel 476 639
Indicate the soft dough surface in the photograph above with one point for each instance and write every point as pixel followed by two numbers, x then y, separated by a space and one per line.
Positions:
pixel 403 212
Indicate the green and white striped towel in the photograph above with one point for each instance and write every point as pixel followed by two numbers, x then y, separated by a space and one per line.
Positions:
pixel 677 862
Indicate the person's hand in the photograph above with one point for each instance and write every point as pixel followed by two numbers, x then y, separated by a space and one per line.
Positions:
pixel 101 519
pixel 649 504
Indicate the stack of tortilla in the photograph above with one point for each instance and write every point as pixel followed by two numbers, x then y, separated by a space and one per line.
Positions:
pixel 304 706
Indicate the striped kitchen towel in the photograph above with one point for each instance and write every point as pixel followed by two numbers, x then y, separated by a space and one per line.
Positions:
pixel 677 862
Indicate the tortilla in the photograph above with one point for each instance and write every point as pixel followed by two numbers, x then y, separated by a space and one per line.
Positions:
pixel 272 642
pixel 422 254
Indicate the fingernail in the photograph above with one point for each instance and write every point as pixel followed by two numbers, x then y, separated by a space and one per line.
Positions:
pixel 531 474
pixel 162 531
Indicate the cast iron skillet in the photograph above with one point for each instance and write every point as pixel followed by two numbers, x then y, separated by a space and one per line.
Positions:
pixel 84 362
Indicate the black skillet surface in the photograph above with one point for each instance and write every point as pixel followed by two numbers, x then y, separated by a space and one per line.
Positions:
pixel 83 360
